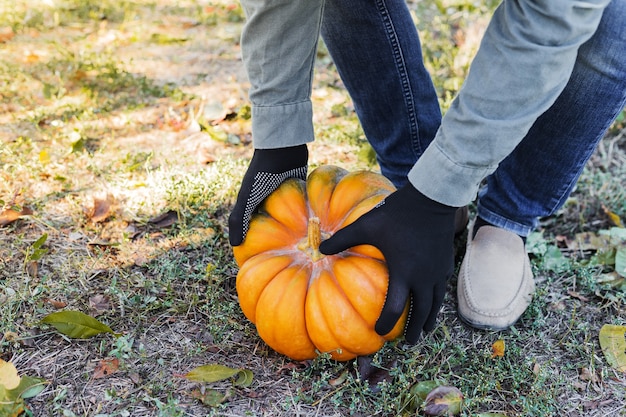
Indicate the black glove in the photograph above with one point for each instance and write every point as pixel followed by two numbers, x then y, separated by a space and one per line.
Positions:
pixel 415 234
pixel 267 170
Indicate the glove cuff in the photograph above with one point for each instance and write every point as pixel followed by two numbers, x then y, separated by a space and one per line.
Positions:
pixel 280 160
pixel 413 196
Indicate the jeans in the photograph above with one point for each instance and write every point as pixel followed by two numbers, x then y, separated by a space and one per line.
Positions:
pixel 537 177
pixel 377 52
pixel 395 104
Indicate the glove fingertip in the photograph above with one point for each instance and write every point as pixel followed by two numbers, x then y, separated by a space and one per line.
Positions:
pixel 384 325
pixel 334 244
pixel 328 247
pixel 235 240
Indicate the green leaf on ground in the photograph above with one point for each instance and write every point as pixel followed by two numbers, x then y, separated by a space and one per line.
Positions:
pixel 14 389
pixel 216 372
pixel 77 325
pixel 420 391
pixel 613 344
pixel 211 397
pixel 30 387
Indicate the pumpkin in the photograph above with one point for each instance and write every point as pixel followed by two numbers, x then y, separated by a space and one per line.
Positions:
pixel 303 302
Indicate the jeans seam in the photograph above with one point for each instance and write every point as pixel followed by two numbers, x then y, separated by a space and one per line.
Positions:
pixel 290 103
pixel 402 71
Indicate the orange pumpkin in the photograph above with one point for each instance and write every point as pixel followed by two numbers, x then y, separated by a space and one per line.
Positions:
pixel 303 302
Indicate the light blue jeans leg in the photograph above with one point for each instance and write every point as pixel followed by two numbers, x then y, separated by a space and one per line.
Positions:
pixel 279 44
pixel 536 179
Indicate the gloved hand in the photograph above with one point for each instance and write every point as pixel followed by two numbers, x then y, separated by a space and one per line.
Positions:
pixel 415 234
pixel 267 170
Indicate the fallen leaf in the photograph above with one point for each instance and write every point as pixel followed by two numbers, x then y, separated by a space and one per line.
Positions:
pixel 589 241
pixel 216 372
pixel 101 208
pixel 577 295
pixel 612 280
pixel 9 377
pixel 6 34
pixel 31 57
pixel 371 373
pixel 420 391
pixel 56 304
pixel 106 367
pixel 211 397
pixel 554 260
pixel 443 400
pixel 44 157
pixel 99 303
pixel 76 325
pixel 613 344
pixel 9 215
pixel 165 219
pixel 497 349
pixel 594 404
pixel 333 382
pixel 134 376
pixel 30 387
pixel 587 375
pixel 613 218
pixel 32 269
pixel 12 399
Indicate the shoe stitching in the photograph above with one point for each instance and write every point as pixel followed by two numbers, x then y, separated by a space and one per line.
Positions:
pixel 518 299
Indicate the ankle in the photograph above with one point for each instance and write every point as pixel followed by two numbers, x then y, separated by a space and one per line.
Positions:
pixel 480 222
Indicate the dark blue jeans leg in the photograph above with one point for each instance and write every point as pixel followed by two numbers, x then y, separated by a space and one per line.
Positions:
pixel 378 55
pixel 535 180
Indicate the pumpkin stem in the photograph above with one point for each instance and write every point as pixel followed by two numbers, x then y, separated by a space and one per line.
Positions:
pixel 314 235
pixel 311 244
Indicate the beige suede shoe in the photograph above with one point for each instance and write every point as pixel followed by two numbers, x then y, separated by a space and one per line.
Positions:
pixel 495 283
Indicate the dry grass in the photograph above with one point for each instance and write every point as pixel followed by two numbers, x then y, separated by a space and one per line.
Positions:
pixel 114 113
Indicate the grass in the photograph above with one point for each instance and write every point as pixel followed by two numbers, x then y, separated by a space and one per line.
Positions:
pixel 124 128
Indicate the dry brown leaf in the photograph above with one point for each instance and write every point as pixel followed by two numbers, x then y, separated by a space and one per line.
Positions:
pixel 6 34
pixel 164 220
pixel 56 304
pixel 99 303
pixel 587 375
pixel 8 215
pixel 32 269
pixel 372 373
pixel 31 57
pixel 101 208
pixel 106 367
pixel 577 295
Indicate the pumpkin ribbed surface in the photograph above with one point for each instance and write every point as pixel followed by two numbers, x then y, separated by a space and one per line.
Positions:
pixel 301 301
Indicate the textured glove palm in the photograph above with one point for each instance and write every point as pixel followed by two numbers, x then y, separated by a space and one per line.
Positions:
pixel 267 170
pixel 415 234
